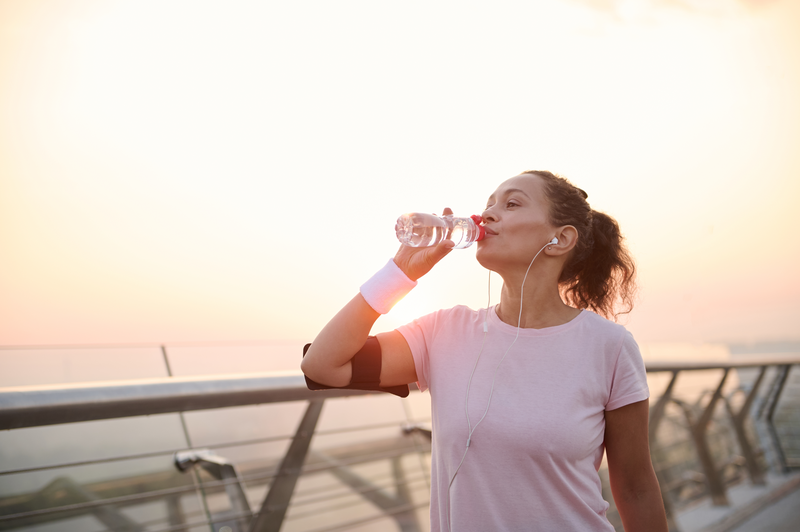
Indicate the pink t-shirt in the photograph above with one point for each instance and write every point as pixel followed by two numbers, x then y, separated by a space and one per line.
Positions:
pixel 532 462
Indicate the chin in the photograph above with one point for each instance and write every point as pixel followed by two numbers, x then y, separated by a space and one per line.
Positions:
pixel 486 259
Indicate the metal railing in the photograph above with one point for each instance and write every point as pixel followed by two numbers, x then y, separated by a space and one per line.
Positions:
pixel 199 471
pixel 37 406
pixel 712 449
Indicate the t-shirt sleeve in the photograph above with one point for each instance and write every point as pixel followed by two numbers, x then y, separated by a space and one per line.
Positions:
pixel 629 380
pixel 417 334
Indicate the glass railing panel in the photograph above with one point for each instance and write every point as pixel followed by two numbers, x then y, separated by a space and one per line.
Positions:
pixel 53 445
pixel 253 439
pixel 122 494
pixel 227 427
pixel 364 472
pixel 381 415
pixel 39 366
pixel 215 360
pixel 323 501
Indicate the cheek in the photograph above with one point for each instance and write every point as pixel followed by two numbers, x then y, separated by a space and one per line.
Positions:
pixel 530 233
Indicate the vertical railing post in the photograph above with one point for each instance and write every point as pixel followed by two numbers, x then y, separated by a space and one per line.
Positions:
pixel 656 415
pixel 406 520
pixel 698 430
pixel 768 411
pixel 276 503
pixel 235 491
pixel 753 469
pixel 657 412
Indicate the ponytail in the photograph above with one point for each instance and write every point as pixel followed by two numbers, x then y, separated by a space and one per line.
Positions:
pixel 600 273
pixel 603 280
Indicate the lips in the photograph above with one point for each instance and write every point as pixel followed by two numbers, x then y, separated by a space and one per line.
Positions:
pixel 489 231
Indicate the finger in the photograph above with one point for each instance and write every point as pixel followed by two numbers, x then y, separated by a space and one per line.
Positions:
pixel 441 250
pixel 448 211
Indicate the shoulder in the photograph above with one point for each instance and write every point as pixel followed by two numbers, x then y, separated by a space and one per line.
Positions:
pixel 443 321
pixel 449 316
pixel 600 325
pixel 443 325
pixel 457 312
pixel 613 336
pixel 460 311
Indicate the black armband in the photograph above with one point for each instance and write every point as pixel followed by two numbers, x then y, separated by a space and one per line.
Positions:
pixel 366 366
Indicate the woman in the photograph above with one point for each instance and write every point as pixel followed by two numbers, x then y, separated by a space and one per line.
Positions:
pixel 525 395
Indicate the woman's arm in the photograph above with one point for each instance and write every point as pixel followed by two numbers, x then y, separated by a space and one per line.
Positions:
pixel 630 470
pixel 328 360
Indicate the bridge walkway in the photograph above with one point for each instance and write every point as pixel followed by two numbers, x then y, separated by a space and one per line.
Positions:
pixel 771 508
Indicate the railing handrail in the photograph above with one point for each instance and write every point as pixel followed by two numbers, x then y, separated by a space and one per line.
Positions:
pixel 655 366
pixel 51 404
pixel 32 406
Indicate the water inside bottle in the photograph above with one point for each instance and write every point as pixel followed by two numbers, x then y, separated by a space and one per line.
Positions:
pixel 429 230
pixel 419 235
pixel 462 234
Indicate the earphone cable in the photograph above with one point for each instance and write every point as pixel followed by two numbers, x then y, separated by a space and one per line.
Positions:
pixel 470 428
pixel 494 377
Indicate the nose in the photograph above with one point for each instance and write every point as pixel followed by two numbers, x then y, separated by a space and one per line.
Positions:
pixel 488 216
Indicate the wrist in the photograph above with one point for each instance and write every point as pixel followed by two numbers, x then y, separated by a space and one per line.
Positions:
pixel 388 286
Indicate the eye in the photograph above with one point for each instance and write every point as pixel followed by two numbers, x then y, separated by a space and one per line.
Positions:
pixel 511 203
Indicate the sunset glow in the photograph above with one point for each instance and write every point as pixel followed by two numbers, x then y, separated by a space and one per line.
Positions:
pixel 231 172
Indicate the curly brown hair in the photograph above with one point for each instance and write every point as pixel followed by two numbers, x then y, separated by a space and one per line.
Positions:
pixel 600 274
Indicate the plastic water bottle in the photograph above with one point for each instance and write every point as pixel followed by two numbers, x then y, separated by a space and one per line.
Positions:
pixel 419 230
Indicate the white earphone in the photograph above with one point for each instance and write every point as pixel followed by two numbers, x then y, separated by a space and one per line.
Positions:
pixel 554 241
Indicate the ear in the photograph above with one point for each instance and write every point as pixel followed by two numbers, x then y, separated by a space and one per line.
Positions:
pixel 567 237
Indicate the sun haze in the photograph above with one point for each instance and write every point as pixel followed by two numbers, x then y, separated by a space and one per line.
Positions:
pixel 207 172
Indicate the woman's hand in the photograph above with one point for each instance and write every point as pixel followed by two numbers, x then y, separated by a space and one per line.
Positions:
pixel 329 359
pixel 416 262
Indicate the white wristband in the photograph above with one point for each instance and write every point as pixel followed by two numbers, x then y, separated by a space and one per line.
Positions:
pixel 388 286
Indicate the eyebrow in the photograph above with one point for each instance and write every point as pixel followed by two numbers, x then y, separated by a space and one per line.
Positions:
pixel 511 191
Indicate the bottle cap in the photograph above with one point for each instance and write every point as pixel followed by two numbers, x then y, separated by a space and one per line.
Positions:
pixel 481 229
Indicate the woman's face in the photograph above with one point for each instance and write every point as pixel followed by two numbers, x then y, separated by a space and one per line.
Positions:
pixel 517 223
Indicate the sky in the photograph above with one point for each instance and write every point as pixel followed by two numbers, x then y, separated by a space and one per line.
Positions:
pixel 230 172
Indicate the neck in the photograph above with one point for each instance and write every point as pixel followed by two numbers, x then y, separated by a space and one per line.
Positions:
pixel 540 300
